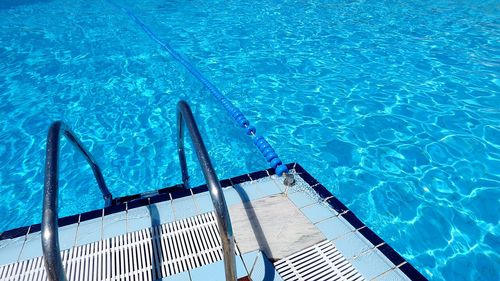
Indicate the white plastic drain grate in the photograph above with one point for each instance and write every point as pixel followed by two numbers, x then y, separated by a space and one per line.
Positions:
pixel 148 254
pixel 319 262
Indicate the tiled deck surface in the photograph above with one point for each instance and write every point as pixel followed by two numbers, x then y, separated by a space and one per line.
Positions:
pixel 361 248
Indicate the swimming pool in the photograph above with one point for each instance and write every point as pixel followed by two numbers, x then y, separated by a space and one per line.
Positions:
pixel 392 105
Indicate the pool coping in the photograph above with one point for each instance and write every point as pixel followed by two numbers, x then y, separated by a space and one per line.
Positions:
pixel 178 191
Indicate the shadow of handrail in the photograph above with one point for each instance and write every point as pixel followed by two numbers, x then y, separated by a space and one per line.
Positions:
pixel 156 255
pixel 257 229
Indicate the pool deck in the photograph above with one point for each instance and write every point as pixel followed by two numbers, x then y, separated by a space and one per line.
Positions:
pixel 297 233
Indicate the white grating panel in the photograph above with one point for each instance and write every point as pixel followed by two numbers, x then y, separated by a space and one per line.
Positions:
pixel 147 254
pixel 319 262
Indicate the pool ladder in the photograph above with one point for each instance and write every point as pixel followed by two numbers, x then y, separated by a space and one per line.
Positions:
pixel 50 237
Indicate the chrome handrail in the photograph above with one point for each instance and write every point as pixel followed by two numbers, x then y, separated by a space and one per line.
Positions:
pixel 50 235
pixel 223 220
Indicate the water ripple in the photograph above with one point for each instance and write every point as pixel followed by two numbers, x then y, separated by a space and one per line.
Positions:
pixel 391 105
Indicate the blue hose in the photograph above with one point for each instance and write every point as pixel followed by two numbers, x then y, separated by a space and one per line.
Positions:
pixel 239 118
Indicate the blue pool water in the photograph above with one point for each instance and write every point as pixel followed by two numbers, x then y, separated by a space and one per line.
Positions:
pixel 393 105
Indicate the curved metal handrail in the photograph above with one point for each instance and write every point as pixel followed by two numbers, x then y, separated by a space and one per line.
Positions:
pixel 223 220
pixel 50 235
